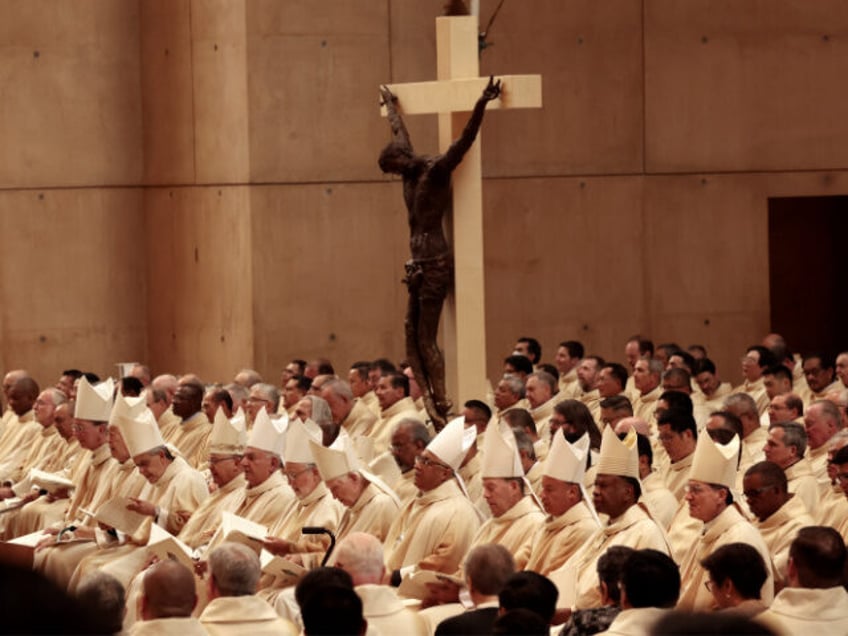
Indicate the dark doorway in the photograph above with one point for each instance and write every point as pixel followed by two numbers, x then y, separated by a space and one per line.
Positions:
pixel 807 278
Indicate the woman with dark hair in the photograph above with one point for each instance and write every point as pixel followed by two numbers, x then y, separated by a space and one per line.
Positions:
pixel 575 419
pixel 737 572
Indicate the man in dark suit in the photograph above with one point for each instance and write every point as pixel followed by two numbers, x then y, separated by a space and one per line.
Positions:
pixel 487 568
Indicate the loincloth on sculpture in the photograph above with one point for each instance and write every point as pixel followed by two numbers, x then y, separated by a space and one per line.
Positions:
pixel 429 278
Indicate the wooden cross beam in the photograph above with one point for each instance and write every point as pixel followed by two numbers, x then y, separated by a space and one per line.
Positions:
pixel 452 96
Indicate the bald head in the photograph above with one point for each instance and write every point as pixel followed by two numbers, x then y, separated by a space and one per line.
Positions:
pixel 168 591
pixel 234 570
pixel 11 377
pixel 633 423
pixel 166 383
pixel 361 555
pixel 247 377
pixel 22 395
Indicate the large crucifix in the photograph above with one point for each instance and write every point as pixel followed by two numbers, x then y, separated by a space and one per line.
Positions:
pixel 457 92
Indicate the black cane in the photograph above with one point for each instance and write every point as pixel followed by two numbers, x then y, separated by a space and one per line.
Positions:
pixel 319 530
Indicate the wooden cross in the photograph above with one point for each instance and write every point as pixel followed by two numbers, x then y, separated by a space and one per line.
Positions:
pixel 453 96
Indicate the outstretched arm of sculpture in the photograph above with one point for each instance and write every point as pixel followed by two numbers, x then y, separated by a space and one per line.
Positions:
pixel 399 133
pixel 450 160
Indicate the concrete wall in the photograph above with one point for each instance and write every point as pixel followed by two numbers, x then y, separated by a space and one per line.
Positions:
pixel 194 182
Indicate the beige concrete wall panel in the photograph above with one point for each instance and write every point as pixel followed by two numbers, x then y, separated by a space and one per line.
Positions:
pixel 70 93
pixel 707 243
pixel 328 264
pixel 199 273
pixel 745 85
pixel 71 280
pixel 563 261
pixel 590 57
pixel 220 72
pixel 167 91
pixel 313 89
pixel 412 53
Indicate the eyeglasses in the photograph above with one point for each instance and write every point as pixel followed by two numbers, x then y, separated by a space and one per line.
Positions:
pixel 842 476
pixel 215 460
pixel 426 461
pixel 292 476
pixel 709 585
pixel 755 492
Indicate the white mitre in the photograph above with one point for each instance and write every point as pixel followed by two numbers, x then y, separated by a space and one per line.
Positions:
pixel 126 408
pixel 619 456
pixel 337 460
pixel 452 443
pixel 565 461
pixel 267 434
pixel 500 453
pixel 228 436
pixel 715 463
pixel 141 434
pixel 298 436
pixel 94 403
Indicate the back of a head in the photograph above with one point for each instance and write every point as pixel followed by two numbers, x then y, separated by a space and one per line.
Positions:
pixel 818 555
pixel 709 623
pixel 103 598
pixel 742 564
pixel 334 610
pixel 31 604
pixel 319 578
pixel 532 591
pixel 677 401
pixel 168 591
pixel 520 418
pixel 488 567
pixel 611 568
pixel 660 570
pixel 235 569
pixel 520 621
pixel 679 421
pixel 361 555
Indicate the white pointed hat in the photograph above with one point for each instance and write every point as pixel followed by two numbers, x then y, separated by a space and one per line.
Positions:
pixel 715 463
pixel 565 461
pixel 452 443
pixel 141 433
pixel 228 436
pixel 364 446
pixel 239 419
pixel 267 434
pixel 94 403
pixel 500 453
pixel 298 436
pixel 337 460
pixel 619 457
pixel 126 408
pixel 386 468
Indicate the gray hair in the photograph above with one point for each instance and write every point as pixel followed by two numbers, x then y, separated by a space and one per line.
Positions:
pixel 360 555
pixel 104 598
pixel 338 387
pixel 794 434
pixel 524 443
pixel 830 410
pixel 515 384
pixel 545 377
pixel 235 569
pixel 417 429
pixel 655 367
pixel 741 404
pixel 321 414
pixel 270 393
pixel 251 377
